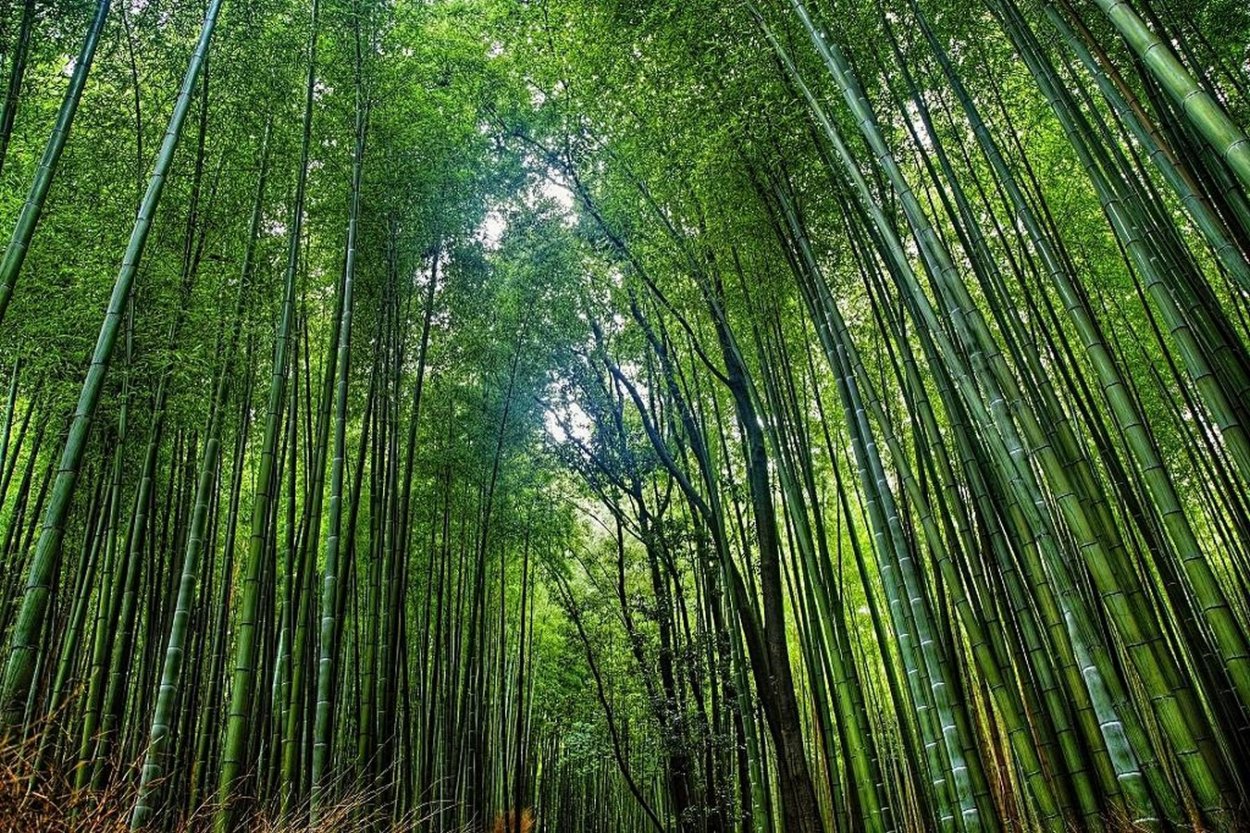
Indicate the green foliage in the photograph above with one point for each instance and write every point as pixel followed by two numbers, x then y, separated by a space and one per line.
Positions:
pixel 781 415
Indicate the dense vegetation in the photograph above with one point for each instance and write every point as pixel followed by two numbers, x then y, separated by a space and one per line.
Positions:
pixel 816 416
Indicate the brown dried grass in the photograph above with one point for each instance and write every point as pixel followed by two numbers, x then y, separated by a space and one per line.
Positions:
pixel 34 801
pixel 512 822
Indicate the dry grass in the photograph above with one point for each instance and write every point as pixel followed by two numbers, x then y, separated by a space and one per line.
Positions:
pixel 42 802
pixel 511 822
pixel 39 804
pixel 32 802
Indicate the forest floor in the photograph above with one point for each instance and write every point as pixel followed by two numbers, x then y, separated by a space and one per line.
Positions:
pixel 33 801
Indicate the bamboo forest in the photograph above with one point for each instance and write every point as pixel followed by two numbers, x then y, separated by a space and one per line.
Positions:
pixel 624 416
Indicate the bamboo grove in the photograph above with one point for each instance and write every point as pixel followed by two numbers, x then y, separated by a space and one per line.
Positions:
pixel 625 415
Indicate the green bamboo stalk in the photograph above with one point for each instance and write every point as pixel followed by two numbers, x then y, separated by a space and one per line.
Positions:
pixel 172 672
pixel 247 646
pixel 1203 111
pixel 326 672
pixel 28 219
pixel 20 668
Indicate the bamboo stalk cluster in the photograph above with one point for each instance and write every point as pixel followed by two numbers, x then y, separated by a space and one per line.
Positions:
pixel 787 416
